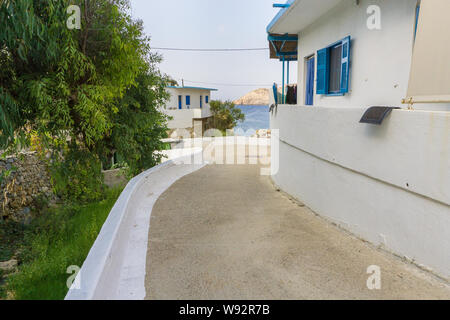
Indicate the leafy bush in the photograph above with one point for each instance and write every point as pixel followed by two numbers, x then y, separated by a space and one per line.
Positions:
pixel 225 115
pixel 96 90
pixel 139 126
pixel 79 177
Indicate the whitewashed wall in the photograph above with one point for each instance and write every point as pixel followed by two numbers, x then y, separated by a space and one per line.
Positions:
pixel 388 184
pixel 183 118
pixel 195 98
pixel 380 59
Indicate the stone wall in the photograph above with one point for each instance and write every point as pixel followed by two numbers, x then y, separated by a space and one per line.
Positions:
pixel 24 184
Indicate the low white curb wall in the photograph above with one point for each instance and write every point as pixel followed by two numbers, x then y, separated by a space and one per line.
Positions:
pixel 388 184
pixel 177 153
pixel 115 266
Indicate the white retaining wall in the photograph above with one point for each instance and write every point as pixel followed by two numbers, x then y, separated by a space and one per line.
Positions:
pixel 388 184
pixel 116 265
pixel 182 119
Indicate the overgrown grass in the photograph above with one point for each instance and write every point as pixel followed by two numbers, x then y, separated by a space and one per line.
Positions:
pixel 2 288
pixel 60 238
pixel 11 236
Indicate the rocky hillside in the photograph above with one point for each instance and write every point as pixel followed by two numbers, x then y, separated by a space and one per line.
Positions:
pixel 255 97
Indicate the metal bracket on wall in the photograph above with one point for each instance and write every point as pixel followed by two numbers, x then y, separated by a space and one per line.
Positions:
pixel 376 115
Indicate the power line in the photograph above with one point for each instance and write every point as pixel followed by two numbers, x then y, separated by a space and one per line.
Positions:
pixel 211 50
pixel 229 84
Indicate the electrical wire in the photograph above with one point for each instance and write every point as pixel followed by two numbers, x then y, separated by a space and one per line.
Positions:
pixel 229 84
pixel 210 50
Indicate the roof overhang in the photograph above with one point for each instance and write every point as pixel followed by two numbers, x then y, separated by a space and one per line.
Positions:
pixel 283 46
pixel 299 14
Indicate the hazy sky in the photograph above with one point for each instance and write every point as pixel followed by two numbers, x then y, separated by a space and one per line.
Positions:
pixel 213 24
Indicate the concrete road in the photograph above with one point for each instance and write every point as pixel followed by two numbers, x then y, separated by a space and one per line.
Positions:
pixel 224 232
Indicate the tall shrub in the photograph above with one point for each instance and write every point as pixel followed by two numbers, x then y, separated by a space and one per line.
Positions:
pixel 79 90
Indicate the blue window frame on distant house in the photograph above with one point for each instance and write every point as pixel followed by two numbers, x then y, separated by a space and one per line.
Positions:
pixel 188 101
pixel 201 102
pixel 333 68
pixel 207 99
pixel 180 102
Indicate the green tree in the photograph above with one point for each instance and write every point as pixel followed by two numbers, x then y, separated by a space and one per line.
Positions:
pixel 77 89
pixel 139 126
pixel 225 115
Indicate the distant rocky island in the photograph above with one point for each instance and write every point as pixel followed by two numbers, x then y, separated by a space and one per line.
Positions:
pixel 258 97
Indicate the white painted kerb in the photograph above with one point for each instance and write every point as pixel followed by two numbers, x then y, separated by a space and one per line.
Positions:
pixel 115 266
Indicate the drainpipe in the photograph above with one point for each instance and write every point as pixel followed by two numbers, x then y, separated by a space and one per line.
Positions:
pixel 287 82
pixel 282 88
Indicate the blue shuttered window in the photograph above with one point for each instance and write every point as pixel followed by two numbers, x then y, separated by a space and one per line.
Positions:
pixel 322 71
pixel 309 99
pixel 188 100
pixel 180 102
pixel 201 102
pixel 345 65
pixel 340 71
pixel 334 69
pixel 207 99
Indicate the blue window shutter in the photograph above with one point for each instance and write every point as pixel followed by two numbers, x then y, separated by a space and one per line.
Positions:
pixel 309 99
pixel 201 102
pixel 322 71
pixel 417 21
pixel 207 99
pixel 275 93
pixel 345 64
pixel 188 100
pixel 180 102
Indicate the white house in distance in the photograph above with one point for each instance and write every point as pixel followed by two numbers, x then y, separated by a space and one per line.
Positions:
pixel 189 108
pixel 383 175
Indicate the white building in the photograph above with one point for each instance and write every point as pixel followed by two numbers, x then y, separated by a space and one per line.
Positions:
pixel 388 183
pixel 189 108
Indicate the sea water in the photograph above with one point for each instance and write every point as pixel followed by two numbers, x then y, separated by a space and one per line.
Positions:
pixel 256 117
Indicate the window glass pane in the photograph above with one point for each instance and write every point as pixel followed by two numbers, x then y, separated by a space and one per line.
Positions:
pixel 335 69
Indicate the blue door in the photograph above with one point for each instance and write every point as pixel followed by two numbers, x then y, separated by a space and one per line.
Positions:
pixel 180 102
pixel 188 102
pixel 309 94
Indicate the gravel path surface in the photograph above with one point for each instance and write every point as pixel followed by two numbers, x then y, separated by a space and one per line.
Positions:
pixel 224 232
